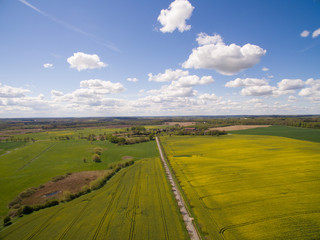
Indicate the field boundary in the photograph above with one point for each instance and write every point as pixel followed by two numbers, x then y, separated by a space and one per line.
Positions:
pixel 187 218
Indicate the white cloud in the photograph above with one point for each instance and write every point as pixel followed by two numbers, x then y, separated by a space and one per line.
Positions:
pixel 292 99
pixel 265 69
pixel 168 75
pixel 55 93
pixel 247 82
pixel 105 87
pixel 132 79
pixel 290 84
pixel 180 86
pixel 12 92
pixel 192 80
pixel 316 33
pixel 175 16
pixel 209 97
pixel 258 91
pixel 304 33
pixel 312 92
pixel 48 65
pixel 83 61
pixel 213 53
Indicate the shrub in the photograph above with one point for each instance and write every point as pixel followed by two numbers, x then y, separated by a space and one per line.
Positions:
pixel 27 193
pixel 67 196
pixel 96 158
pixel 51 203
pixel 16 201
pixel 6 221
pixel 98 183
pixel 27 209
pixel 85 189
pixel 58 178
pixel 98 151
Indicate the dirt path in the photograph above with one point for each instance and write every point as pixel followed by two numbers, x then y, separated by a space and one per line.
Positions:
pixel 183 210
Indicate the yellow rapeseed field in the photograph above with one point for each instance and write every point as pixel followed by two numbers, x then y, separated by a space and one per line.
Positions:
pixel 249 187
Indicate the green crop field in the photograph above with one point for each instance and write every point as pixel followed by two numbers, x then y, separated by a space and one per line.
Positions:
pixel 37 163
pixel 135 204
pixel 307 134
pixel 249 187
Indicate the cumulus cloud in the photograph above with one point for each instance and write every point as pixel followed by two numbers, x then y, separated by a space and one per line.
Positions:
pixel 181 85
pixel 48 65
pixel 105 87
pixel 247 82
pixel 12 92
pixel 213 53
pixel 168 75
pixel 209 97
pixel 292 98
pixel 132 79
pixel 316 33
pixel 290 84
pixel 304 33
pixel 312 92
pixel 265 69
pixel 258 91
pixel 175 16
pixel 82 61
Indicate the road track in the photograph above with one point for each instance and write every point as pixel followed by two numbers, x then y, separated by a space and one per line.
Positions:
pixel 188 220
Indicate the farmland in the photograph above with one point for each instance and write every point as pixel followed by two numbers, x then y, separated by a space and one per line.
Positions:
pixel 249 187
pixel 31 164
pixel 135 204
pixel 284 131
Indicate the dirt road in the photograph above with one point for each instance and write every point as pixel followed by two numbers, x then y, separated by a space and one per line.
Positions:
pixel 183 210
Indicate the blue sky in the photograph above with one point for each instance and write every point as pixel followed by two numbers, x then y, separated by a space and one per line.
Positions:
pixel 154 58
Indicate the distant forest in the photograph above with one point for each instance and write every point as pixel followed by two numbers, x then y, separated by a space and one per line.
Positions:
pixel 199 122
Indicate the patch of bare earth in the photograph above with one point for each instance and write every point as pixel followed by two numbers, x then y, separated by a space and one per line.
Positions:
pixel 181 124
pixel 238 127
pixel 127 158
pixel 54 190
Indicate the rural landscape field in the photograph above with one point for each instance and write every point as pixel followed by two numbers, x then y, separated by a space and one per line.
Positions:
pixel 260 182
pixel 249 186
pixel 159 120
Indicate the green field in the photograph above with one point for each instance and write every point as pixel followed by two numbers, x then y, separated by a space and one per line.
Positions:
pixel 135 204
pixel 307 134
pixel 249 187
pixel 37 163
pixel 5 147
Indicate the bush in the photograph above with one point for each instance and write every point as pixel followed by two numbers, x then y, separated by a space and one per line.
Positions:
pixel 15 202
pixel 85 189
pixel 27 210
pixel 27 193
pixel 67 196
pixel 6 221
pixel 51 203
pixel 58 178
pixel 96 158
pixel 98 151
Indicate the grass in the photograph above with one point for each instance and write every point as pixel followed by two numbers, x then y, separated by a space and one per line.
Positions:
pixel 249 187
pixel 307 134
pixel 9 146
pixel 37 163
pixel 135 204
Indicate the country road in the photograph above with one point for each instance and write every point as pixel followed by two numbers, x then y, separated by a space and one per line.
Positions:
pixel 183 210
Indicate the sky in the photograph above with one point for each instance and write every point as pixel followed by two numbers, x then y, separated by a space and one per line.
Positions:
pixel 103 58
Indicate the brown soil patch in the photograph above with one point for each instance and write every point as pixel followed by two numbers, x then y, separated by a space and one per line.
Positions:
pixel 181 124
pixel 127 158
pixel 54 190
pixel 238 127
